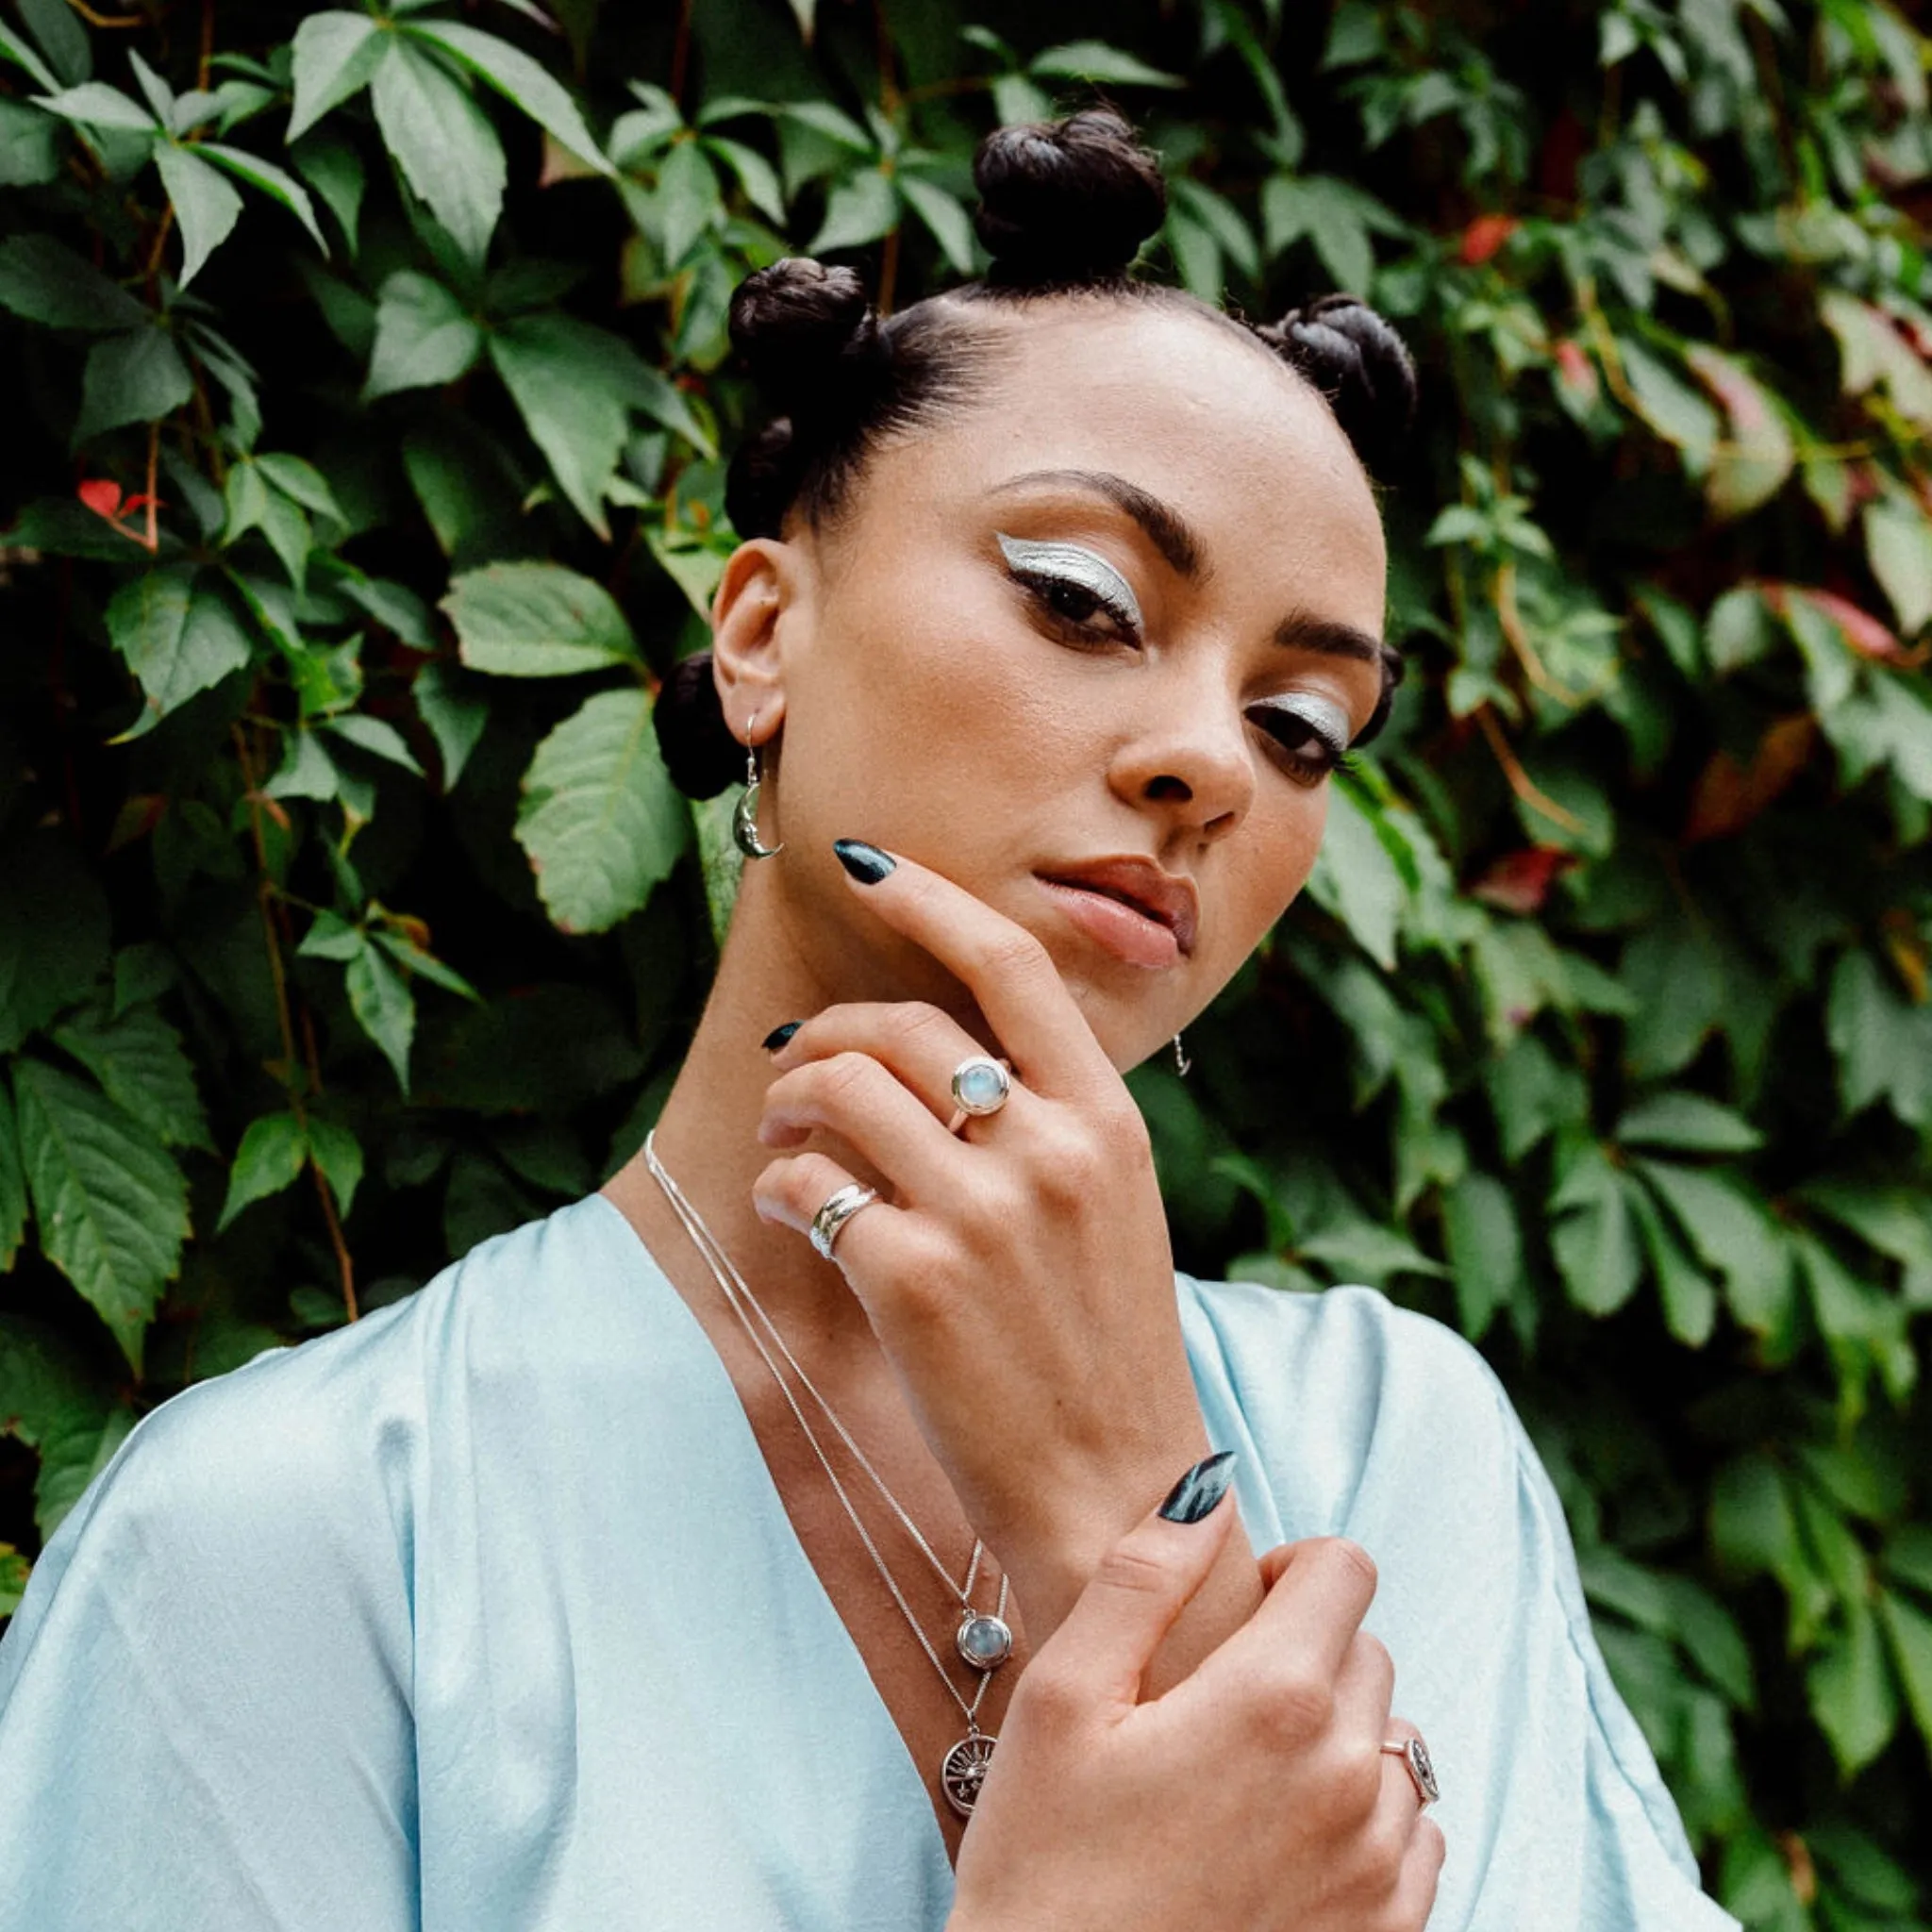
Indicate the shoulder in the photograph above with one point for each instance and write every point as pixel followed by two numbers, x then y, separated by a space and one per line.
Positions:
pixel 284 1463
pixel 1347 1385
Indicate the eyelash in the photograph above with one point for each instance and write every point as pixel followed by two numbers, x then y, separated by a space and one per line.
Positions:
pixel 1045 589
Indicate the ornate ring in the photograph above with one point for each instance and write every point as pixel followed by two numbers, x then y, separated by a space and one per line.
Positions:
pixel 981 1087
pixel 1420 1766
pixel 838 1209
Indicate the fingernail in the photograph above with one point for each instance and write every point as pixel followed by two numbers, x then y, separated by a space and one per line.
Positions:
pixel 866 863
pixel 779 1035
pixel 1198 1492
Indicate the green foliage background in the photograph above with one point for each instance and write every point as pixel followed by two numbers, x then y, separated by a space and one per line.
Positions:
pixel 346 916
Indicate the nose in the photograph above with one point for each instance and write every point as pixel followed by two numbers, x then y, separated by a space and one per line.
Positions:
pixel 1187 757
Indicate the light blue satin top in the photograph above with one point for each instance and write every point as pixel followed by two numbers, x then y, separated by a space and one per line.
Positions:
pixel 485 1616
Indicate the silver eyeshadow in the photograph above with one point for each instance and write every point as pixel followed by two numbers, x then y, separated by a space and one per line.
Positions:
pixel 1071 563
pixel 1328 722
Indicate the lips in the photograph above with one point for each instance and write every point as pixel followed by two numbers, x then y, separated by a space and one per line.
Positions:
pixel 1140 886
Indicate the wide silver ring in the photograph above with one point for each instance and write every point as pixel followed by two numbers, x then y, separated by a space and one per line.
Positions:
pixel 838 1209
pixel 981 1086
pixel 1421 1767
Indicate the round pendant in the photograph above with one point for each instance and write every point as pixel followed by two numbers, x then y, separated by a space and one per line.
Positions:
pixel 963 1769
pixel 984 1640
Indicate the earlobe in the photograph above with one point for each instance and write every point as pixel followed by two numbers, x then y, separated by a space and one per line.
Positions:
pixel 754 598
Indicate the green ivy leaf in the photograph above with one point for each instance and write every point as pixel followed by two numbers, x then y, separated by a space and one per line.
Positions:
pixel 338 1155
pixel 601 821
pixel 1095 61
pixel 272 1153
pixel 95 103
pixel 12 1186
pixel 138 1059
pixel 1690 1122
pixel 1898 542
pixel 1594 1236
pixel 455 718
pixel 179 636
pixel 110 1205
pixel 381 1002
pixel 1852 1694
pixel 48 283
pixel 55 1401
pixel 1881 1041
pixel 442 142
pixel 54 927
pixel 422 337
pixel 519 79
pixel 536 620
pixel 335 58
pixel 131 378
pixel 1356 877
pixel 858 213
pixel 1485 1245
pixel 945 218
pixel 1733 1231
pixel 206 206
pixel 687 200
pixel 1908 1631
pixel 277 183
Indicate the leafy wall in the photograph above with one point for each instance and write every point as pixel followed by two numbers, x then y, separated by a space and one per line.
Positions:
pixel 364 390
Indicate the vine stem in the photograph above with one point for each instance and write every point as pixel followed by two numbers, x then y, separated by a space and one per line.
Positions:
pixel 1525 787
pixel 93 19
pixel 291 1062
pixel 154 458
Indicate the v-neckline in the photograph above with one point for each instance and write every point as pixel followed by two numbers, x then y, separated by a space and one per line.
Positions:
pixel 754 1475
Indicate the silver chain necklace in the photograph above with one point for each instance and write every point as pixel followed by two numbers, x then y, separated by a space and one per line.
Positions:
pixel 984 1638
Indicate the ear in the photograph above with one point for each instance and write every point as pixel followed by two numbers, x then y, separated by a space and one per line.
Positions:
pixel 756 601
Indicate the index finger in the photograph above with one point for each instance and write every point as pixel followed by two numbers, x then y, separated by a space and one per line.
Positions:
pixel 1005 968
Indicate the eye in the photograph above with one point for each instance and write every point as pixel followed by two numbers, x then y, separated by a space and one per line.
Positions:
pixel 1310 736
pixel 1075 588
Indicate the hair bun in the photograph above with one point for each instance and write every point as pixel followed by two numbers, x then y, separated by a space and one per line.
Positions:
pixel 699 751
pixel 1064 203
pixel 796 324
pixel 1359 363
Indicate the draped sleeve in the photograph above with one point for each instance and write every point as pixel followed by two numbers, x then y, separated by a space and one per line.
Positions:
pixel 1359 1419
pixel 205 1695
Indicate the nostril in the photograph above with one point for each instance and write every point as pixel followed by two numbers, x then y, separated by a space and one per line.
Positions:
pixel 1167 786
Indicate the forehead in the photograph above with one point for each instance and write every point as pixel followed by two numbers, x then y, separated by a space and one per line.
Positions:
pixel 1211 423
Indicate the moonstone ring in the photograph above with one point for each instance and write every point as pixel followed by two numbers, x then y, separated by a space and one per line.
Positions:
pixel 1420 1766
pixel 981 1087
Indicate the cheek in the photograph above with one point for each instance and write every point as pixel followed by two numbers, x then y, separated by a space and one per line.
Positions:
pixel 1266 865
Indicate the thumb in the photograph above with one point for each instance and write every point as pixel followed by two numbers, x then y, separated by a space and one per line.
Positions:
pixel 1109 1639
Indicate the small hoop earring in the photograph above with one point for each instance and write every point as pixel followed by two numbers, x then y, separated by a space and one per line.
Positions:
pixel 1182 1064
pixel 744 819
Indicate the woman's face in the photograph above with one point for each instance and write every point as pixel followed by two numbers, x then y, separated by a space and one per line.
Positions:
pixel 1099 638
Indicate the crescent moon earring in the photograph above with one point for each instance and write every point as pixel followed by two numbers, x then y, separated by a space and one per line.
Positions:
pixel 744 819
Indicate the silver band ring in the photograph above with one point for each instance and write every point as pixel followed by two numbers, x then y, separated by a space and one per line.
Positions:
pixel 838 1209
pixel 981 1086
pixel 1420 1766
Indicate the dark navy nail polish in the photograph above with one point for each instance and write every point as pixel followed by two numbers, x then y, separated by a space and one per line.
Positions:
pixel 779 1035
pixel 1197 1492
pixel 866 863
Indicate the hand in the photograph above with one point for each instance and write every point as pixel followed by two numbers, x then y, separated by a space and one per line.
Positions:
pixel 1018 1275
pixel 1252 1797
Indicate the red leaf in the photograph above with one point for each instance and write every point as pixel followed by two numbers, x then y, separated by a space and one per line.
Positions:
pixel 101 495
pixel 1575 370
pixel 1521 881
pixel 1485 236
pixel 1728 797
pixel 1862 631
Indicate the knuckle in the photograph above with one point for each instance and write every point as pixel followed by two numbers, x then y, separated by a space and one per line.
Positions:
pixel 1300 1706
pixel 1133 1569
pixel 843 1078
pixel 1348 1556
pixel 915 1020
pixel 1012 953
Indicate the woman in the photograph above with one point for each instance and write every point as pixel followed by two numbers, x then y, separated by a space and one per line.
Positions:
pixel 677 1560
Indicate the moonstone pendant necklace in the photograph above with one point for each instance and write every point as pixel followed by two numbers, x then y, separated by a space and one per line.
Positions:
pixel 984 1638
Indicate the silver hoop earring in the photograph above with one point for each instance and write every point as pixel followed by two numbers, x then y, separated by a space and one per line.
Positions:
pixel 745 820
pixel 1182 1064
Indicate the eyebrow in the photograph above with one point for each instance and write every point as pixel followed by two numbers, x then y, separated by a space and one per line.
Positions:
pixel 1174 537
pixel 1167 530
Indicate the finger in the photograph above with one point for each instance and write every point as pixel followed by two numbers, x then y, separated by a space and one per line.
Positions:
pixel 922 1046
pixel 791 1192
pixel 875 1114
pixel 1098 1657
pixel 1007 971
pixel 1364 1690
pixel 1273 1564
pixel 1422 1872
pixel 1306 1625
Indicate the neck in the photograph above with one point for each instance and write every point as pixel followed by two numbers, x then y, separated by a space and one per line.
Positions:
pixel 707 1138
